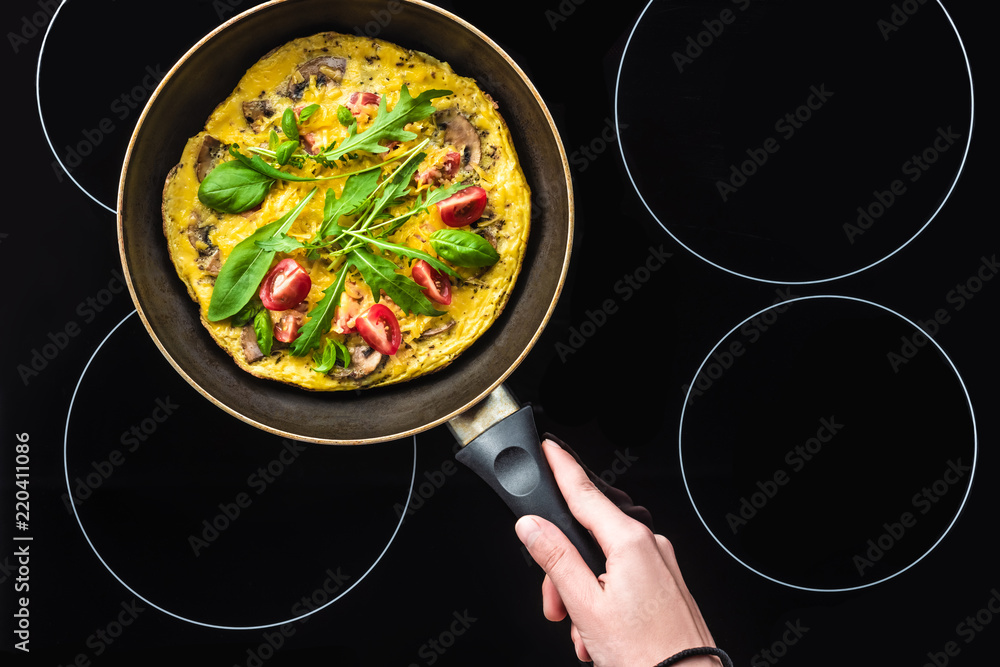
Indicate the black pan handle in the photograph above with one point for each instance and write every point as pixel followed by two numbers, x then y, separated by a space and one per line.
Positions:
pixel 508 456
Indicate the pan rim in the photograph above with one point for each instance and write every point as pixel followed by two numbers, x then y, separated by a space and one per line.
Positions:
pixel 423 426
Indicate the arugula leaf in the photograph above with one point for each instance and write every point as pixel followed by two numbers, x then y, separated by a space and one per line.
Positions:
pixel 280 243
pixel 264 329
pixel 397 187
pixel 405 251
pixel 388 125
pixel 333 351
pixel 380 274
pixel 320 316
pixel 357 189
pixel 233 187
pixel 261 166
pixel 247 265
pixel 424 201
pixel 463 248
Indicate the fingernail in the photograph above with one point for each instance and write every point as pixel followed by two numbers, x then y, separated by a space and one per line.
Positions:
pixel 528 529
pixel 551 443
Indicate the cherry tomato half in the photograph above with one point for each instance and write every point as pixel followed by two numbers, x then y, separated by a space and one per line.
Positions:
pixel 287 328
pixel 435 284
pixel 463 207
pixel 380 329
pixel 285 286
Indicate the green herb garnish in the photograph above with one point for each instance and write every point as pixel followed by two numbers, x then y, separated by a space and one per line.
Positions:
pixel 246 266
pixel 353 235
pixel 463 248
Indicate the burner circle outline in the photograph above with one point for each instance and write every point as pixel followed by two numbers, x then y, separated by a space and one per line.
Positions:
pixel 152 604
pixel 958 512
pixel 941 205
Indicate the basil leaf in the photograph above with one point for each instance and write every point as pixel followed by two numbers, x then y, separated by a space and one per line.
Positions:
pixel 463 248
pixel 264 329
pixel 306 113
pixel 247 313
pixel 233 187
pixel 345 117
pixel 247 265
pixel 273 140
pixel 333 351
pixel 285 150
pixel 320 316
pixel 289 126
pixel 380 274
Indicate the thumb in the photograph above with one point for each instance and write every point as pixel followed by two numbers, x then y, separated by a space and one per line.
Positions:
pixel 553 551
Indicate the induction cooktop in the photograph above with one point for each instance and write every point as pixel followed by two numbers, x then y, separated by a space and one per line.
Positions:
pixel 778 335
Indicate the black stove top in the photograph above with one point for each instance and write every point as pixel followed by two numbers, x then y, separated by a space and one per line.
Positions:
pixel 778 334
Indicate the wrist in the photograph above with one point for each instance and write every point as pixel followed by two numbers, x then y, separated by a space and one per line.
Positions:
pixel 704 656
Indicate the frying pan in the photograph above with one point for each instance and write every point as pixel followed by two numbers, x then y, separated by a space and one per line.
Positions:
pixel 468 395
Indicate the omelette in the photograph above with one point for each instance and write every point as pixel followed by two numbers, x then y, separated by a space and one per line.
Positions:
pixel 352 215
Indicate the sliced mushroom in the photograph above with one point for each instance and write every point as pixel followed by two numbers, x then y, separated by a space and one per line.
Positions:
pixel 364 361
pixel 209 258
pixel 211 150
pixel 489 233
pixel 328 70
pixel 198 236
pixel 461 134
pixel 211 263
pixel 438 329
pixel 248 339
pixel 257 112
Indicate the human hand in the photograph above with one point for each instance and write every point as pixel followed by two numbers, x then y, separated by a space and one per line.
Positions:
pixel 639 612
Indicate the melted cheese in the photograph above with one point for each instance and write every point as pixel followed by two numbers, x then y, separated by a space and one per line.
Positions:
pixel 372 66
